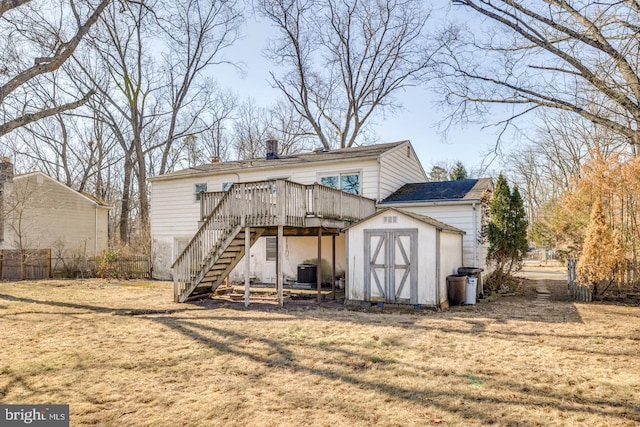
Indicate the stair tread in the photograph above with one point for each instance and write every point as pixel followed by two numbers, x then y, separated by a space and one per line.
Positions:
pixel 218 262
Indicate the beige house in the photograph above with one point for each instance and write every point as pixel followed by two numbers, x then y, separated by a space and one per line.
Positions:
pixel 38 212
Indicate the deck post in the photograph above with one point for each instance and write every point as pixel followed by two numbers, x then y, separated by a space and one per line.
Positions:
pixel 247 257
pixel 333 267
pixel 279 262
pixel 319 265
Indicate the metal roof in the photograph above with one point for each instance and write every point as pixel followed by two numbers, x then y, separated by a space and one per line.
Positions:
pixel 465 189
pixel 366 151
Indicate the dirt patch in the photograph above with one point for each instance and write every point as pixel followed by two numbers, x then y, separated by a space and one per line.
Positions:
pixel 121 353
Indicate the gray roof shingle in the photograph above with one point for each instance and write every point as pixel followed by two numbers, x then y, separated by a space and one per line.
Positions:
pixel 465 189
pixel 423 218
pixel 365 151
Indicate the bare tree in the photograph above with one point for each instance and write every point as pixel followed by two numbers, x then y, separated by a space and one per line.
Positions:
pixel 577 56
pixel 550 160
pixel 250 130
pixel 37 38
pixel 289 128
pixel 253 125
pixel 197 33
pixel 344 60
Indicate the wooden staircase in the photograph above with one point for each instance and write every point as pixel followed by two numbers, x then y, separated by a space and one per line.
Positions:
pixel 219 244
pixel 255 207
pixel 219 263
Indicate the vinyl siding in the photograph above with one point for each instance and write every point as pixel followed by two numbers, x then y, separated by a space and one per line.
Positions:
pixel 55 215
pixel 450 258
pixel 398 167
pixel 296 251
pixel 175 213
pixel 464 217
pixel 427 255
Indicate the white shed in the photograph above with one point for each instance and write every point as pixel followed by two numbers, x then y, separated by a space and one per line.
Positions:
pixel 401 257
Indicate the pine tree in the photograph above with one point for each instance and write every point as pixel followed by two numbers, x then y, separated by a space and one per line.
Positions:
pixel 497 230
pixel 458 172
pixel 507 229
pixel 519 224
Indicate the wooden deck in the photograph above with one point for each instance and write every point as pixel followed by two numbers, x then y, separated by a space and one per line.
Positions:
pixel 232 221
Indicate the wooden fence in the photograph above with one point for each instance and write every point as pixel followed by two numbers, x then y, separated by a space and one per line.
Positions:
pixel 130 267
pixel 626 288
pixel 28 264
pixel 37 264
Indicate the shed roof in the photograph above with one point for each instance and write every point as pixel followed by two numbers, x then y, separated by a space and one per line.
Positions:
pixel 422 218
pixel 464 189
pixel 362 152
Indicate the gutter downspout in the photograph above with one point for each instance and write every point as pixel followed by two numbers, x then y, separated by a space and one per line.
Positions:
pixel 438 231
pixel 475 237
pixel 96 231
pixel 379 198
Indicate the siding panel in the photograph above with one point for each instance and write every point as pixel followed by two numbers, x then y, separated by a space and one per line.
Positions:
pixel 398 167
pixel 465 218
pixel 55 216
pixel 175 213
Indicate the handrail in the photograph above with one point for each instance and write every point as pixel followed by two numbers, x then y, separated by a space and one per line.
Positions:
pixel 208 201
pixel 261 204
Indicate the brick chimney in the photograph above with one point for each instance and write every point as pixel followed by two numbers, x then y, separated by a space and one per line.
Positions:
pixel 272 148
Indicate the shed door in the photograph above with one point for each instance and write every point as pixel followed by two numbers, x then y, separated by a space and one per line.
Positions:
pixel 391 265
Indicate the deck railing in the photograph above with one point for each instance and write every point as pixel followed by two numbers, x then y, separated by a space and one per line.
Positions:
pixel 261 204
pixel 327 202
pixel 314 200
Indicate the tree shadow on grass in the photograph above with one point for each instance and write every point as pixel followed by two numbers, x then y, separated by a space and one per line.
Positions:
pixel 349 363
pixel 343 364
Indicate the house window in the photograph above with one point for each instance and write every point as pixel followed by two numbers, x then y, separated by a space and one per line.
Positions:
pixel 200 188
pixel 348 182
pixel 271 248
pixel 226 186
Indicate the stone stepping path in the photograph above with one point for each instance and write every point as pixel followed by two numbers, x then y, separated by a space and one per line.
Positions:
pixel 542 293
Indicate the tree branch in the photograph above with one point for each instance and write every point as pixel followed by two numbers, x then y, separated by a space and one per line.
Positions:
pixel 60 55
pixel 25 119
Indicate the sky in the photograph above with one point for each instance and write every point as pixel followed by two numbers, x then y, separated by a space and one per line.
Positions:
pixel 417 121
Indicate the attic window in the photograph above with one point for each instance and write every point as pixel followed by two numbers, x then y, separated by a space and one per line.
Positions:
pixel 390 219
pixel 200 188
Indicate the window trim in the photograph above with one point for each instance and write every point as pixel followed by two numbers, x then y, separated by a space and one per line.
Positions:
pixel 196 193
pixel 274 250
pixel 340 174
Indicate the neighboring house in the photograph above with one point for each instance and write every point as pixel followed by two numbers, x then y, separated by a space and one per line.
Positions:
pixel 401 257
pixel 181 200
pixel 463 204
pixel 39 212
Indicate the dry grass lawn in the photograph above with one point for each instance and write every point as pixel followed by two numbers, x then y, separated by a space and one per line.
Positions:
pixel 122 354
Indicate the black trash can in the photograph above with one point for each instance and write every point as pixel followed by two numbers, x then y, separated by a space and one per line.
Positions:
pixel 456 288
pixel 477 273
